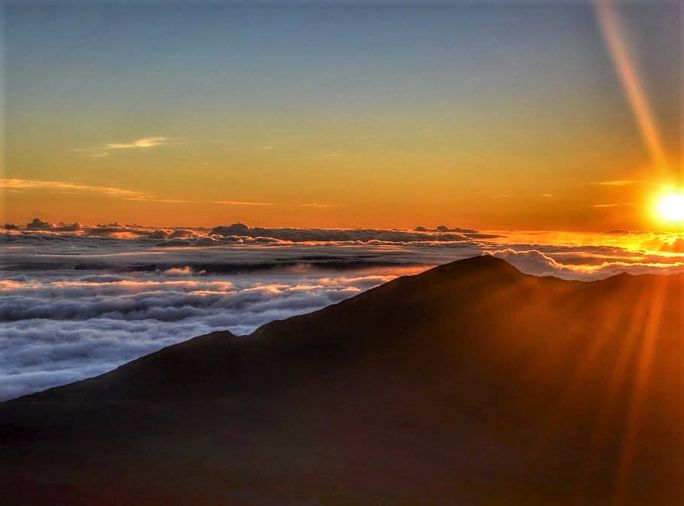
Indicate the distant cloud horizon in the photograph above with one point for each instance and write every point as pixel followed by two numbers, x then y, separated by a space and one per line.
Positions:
pixel 576 255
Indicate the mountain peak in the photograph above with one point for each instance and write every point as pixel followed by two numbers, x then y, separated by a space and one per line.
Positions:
pixel 478 263
pixel 494 269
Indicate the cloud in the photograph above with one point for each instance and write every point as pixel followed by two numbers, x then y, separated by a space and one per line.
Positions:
pixel 151 198
pixel 96 154
pixel 676 245
pixel 179 271
pixel 68 186
pixel 343 235
pixel 539 263
pixel 617 204
pixel 144 142
pixel 58 328
pixel 242 203
pixel 33 184
pixel 136 144
pixel 14 185
pixel 618 182
pixel 532 261
pixel 38 224
pixel 323 205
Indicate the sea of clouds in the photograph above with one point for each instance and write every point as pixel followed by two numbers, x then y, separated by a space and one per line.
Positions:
pixel 79 300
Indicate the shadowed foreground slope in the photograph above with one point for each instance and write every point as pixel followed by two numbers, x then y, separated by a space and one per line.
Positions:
pixel 468 384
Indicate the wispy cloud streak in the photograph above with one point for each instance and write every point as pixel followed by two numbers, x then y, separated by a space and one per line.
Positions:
pixel 142 143
pixel 132 195
pixel 617 204
pixel 145 142
pixel 618 182
pixel 68 186
pixel 242 203
pixel 33 184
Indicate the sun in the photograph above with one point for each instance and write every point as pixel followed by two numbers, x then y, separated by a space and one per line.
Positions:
pixel 670 207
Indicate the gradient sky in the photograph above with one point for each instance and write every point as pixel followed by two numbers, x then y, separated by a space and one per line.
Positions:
pixel 498 115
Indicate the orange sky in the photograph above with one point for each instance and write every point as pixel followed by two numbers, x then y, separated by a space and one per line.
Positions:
pixel 495 118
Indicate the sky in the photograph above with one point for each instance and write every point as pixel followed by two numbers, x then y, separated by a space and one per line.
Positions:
pixel 495 115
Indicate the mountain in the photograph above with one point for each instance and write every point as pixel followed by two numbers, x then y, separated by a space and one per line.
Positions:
pixel 469 384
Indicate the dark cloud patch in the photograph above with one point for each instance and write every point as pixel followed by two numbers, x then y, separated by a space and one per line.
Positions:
pixel 239 233
pixel 420 234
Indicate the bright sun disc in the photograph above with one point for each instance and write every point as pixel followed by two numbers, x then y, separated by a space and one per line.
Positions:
pixel 670 207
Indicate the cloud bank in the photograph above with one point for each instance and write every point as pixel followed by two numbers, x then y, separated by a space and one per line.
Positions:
pixel 77 300
pixel 58 328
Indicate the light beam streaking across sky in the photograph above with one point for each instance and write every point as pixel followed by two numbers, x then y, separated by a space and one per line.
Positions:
pixel 630 79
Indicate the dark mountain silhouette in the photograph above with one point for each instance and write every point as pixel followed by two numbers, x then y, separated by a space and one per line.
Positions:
pixel 469 384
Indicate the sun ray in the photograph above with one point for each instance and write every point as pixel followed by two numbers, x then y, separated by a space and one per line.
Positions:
pixel 613 34
pixel 639 390
pixel 617 377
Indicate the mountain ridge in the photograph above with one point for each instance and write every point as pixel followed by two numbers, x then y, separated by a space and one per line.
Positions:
pixel 470 383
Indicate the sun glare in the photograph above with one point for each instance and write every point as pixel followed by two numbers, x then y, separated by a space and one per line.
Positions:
pixel 670 207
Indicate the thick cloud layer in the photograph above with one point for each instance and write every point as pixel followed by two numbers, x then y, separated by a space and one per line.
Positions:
pixel 77 301
pixel 62 327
